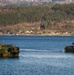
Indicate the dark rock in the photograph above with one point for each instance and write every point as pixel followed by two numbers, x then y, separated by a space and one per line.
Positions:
pixel 69 49
pixel 9 51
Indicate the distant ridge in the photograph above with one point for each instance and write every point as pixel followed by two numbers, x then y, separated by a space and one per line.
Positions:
pixel 32 2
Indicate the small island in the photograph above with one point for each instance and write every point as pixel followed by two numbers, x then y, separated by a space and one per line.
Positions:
pixel 69 48
pixel 9 51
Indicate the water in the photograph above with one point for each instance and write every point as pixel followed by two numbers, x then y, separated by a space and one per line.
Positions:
pixel 39 55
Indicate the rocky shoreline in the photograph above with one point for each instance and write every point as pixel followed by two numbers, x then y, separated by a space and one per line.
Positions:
pixel 41 34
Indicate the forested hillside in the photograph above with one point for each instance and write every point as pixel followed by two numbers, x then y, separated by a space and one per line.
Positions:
pixel 13 15
pixel 53 17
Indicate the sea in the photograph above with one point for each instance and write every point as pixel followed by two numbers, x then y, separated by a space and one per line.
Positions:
pixel 39 55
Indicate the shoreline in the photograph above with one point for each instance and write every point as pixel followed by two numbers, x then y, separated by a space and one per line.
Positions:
pixel 33 35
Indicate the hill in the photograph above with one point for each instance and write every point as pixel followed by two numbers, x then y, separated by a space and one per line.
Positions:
pixel 40 19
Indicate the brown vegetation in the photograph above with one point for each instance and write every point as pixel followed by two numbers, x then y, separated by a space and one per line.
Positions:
pixel 61 28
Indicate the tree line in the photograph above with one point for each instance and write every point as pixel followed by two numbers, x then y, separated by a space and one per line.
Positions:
pixel 46 14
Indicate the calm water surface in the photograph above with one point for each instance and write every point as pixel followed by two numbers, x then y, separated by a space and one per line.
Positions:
pixel 39 55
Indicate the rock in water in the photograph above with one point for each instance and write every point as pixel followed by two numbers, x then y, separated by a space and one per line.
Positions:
pixel 9 51
pixel 69 49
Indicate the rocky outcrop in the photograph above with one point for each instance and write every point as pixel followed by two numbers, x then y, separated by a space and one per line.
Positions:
pixel 9 51
pixel 69 49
